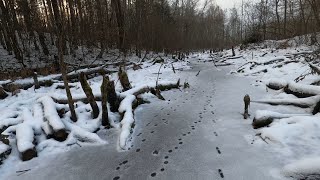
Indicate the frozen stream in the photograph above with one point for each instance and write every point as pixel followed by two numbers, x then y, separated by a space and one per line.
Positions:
pixel 197 133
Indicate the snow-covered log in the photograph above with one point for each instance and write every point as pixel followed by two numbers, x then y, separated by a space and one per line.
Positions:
pixel 82 135
pixel 113 99
pixel 306 168
pixel 127 121
pixel 301 90
pixel 25 137
pixel 276 84
pixel 127 105
pixel 51 115
pixel 263 118
pixel 73 76
pixel 299 102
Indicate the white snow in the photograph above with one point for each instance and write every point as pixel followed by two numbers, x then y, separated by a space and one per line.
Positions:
pixel 128 119
pixel 50 113
pixel 24 135
pixel 3 147
pixel 306 167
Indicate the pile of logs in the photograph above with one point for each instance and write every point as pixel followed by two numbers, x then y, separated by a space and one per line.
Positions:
pixel 52 125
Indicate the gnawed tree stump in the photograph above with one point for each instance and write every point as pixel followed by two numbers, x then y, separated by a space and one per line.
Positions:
pixel 3 94
pixel 246 100
pixel 113 99
pixel 124 80
pixel 88 91
pixel 35 79
pixel 104 98
pixel 136 67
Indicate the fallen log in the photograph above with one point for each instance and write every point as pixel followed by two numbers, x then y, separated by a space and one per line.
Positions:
pixel 25 138
pixel 47 82
pixel 264 118
pixel 129 103
pixel 301 90
pixel 52 116
pixel 276 84
pixel 300 102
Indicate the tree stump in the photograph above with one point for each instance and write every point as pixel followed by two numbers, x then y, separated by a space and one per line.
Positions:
pixel 124 80
pixel 233 52
pixel 246 100
pixel 113 99
pixel 88 91
pixel 3 94
pixel 104 98
pixel 35 79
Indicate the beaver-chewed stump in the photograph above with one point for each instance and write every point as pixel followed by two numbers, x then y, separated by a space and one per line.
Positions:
pixel 88 91
pixel 124 80
pixel 3 94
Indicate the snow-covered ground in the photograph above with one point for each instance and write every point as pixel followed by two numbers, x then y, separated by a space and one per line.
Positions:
pixel 196 133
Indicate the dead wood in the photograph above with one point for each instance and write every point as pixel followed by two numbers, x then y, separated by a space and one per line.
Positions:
pixel 88 91
pixel 104 97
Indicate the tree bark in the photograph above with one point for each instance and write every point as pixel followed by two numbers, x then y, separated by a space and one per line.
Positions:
pixel 88 91
pixel 104 98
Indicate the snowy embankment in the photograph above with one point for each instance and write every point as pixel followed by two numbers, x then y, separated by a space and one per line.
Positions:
pixel 36 122
pixel 290 123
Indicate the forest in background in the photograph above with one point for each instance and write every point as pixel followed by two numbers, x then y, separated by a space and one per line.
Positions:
pixel 30 26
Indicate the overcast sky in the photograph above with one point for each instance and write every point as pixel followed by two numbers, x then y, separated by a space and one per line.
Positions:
pixel 227 4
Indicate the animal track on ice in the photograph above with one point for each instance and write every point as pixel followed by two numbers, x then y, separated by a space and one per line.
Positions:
pixel 218 150
pixel 221 173
pixel 116 178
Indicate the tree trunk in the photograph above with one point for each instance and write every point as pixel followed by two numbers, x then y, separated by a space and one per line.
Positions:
pixel 60 32
pixel 104 98
pixel 116 4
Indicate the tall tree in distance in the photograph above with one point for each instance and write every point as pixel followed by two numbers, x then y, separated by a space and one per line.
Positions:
pixel 60 34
